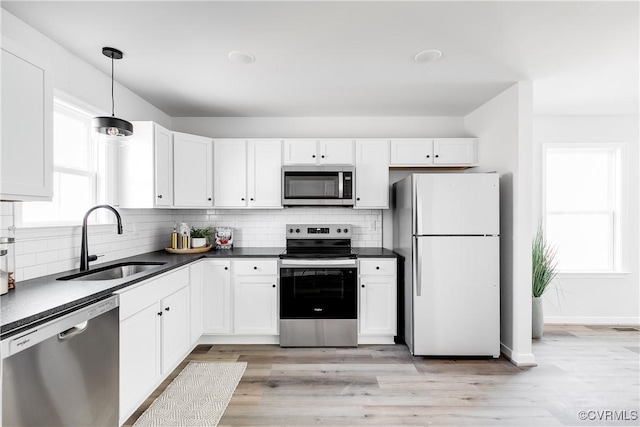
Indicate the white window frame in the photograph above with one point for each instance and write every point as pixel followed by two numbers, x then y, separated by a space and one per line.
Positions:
pixel 618 217
pixel 103 190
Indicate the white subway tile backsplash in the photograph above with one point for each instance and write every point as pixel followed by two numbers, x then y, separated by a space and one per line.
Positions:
pixel 42 251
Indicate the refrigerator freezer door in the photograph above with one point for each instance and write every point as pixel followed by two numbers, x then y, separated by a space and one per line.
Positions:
pixel 458 310
pixel 457 204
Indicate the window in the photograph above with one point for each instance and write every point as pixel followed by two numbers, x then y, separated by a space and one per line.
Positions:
pixel 80 163
pixel 582 206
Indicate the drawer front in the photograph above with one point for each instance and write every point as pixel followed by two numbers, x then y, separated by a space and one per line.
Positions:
pixel 255 267
pixel 378 267
pixel 144 294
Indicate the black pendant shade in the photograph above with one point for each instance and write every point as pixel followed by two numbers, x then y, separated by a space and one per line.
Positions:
pixel 112 125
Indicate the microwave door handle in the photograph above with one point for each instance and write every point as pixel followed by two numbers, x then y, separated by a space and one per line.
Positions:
pixel 340 185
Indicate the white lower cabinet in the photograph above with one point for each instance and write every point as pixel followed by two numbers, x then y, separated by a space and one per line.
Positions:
pixel 154 335
pixel 216 294
pixel 377 300
pixel 240 300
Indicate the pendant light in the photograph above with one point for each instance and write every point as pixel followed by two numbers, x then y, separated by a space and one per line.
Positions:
pixel 111 125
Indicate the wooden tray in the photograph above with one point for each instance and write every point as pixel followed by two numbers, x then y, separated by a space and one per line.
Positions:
pixel 189 251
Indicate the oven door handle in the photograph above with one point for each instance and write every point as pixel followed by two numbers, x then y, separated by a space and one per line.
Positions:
pixel 319 263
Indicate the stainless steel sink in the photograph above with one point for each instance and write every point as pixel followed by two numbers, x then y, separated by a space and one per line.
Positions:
pixel 116 271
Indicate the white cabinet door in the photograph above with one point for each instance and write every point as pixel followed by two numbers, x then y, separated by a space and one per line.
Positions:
pixel 378 305
pixel 175 328
pixel 192 170
pixel 139 358
pixel 230 172
pixel 300 152
pixel 455 151
pixel 264 173
pixel 216 296
pixel 256 305
pixel 411 152
pixel 372 174
pixel 26 158
pixel 196 301
pixel 378 296
pixel 336 151
pixel 163 170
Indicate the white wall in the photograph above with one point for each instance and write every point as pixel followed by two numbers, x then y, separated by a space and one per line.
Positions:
pixel 596 298
pixel 503 126
pixel 77 78
pixel 319 127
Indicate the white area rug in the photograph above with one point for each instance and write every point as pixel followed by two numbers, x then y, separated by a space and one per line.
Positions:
pixel 197 397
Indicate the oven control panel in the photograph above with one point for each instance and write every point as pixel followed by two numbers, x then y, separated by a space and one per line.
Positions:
pixel 318 231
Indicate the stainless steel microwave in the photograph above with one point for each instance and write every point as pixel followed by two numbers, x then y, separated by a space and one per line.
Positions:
pixel 317 185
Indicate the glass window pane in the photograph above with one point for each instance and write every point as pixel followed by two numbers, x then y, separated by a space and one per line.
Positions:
pixel 71 142
pixel 76 196
pixel 578 179
pixel 583 242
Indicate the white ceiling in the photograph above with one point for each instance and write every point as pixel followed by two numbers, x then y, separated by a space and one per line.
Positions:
pixel 333 58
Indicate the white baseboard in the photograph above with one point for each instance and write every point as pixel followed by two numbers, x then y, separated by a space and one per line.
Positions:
pixel 239 339
pixel 521 360
pixel 375 339
pixel 590 320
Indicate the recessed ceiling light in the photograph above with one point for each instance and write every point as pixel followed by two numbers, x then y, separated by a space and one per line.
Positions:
pixel 431 55
pixel 239 57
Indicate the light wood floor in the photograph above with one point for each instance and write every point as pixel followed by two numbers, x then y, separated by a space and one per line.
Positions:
pixel 580 368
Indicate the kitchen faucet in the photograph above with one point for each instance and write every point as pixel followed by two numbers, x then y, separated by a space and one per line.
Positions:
pixel 84 248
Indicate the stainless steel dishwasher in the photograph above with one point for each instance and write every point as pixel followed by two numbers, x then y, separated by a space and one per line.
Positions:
pixel 64 372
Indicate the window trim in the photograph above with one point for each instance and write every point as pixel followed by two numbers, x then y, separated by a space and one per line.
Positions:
pixel 619 253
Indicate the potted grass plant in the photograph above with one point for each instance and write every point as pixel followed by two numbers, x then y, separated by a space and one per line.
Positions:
pixel 199 237
pixel 544 271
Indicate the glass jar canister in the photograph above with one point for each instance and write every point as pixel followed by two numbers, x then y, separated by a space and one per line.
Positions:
pixel 4 274
pixel 8 244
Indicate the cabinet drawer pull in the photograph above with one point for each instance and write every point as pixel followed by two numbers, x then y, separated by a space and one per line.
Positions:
pixel 377 268
pixel 167 309
pixel 159 196
pixel 255 268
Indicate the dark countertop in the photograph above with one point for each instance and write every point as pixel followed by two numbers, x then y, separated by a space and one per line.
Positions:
pixel 35 300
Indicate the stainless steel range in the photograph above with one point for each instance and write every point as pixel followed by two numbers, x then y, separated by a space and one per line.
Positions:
pixel 318 287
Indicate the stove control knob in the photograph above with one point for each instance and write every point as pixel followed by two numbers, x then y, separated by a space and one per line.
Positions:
pixel 291 230
pixel 346 230
pixel 339 231
pixel 297 230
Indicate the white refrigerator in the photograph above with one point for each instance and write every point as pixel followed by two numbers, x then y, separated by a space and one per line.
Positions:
pixel 447 227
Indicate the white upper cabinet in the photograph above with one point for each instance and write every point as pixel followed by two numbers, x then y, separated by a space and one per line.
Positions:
pixel 248 173
pixel 455 151
pixel 146 167
pixel 26 158
pixel 435 152
pixel 192 171
pixel 412 151
pixel 230 170
pixel 372 174
pixel 319 151
pixel 264 173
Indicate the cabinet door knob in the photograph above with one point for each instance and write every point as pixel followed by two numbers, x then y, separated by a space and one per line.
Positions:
pixel 322 156
pixel 273 286
pixel 226 268
pixel 251 199
pixel 377 268
pixel 209 199
pixel 255 268
pixel 428 156
pixel 159 196
pixel 313 155
pixel 437 155
pixel 159 313
pixel 358 198
pixel 167 309
pixel 242 199
pixel 363 286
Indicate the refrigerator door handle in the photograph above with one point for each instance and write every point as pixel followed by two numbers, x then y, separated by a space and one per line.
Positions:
pixel 418 208
pixel 418 267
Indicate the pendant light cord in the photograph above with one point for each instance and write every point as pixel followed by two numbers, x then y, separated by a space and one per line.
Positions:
pixel 113 114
